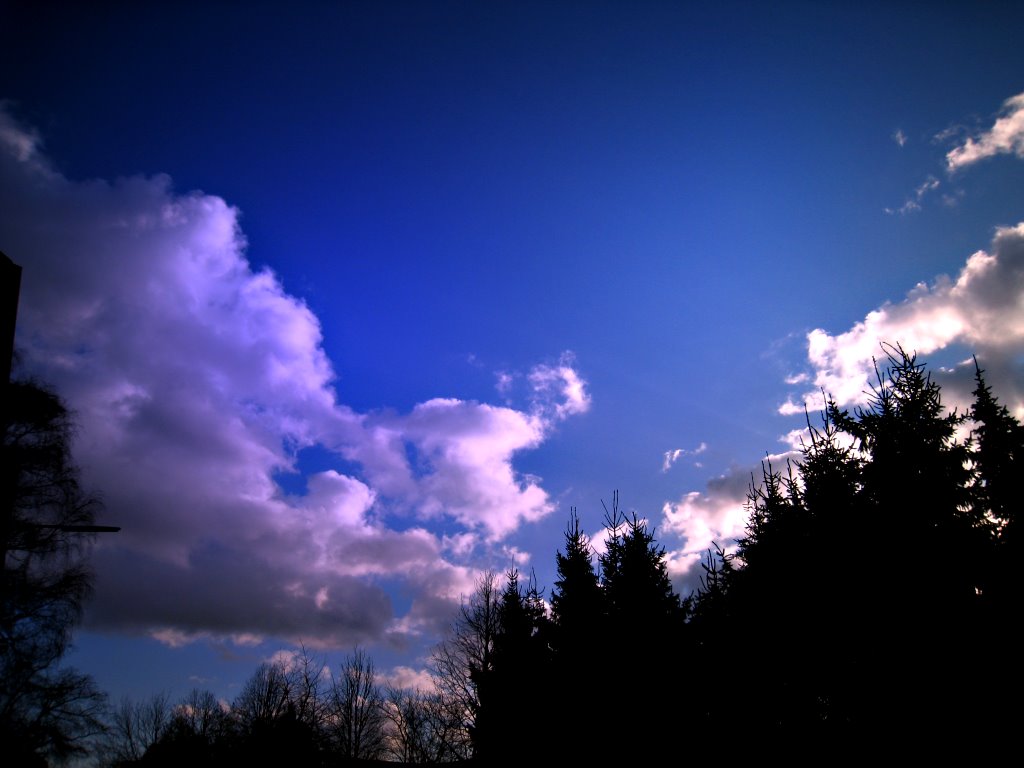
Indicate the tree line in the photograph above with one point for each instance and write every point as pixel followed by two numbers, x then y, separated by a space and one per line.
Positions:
pixel 872 600
pixel 294 711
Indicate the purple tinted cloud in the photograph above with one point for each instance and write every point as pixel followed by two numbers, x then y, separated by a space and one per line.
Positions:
pixel 195 380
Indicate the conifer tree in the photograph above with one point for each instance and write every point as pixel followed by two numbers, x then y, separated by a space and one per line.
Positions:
pixel 640 602
pixel 520 674
pixel 999 459
pixel 577 641
pixel 643 622
pixel 856 601
pixel 576 599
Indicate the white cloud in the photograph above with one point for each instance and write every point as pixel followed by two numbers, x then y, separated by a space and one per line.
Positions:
pixel 914 203
pixel 503 382
pixel 465 451
pixel 551 382
pixel 983 308
pixel 899 137
pixel 671 457
pixel 196 380
pixel 1006 136
pixel 409 679
pixel 702 519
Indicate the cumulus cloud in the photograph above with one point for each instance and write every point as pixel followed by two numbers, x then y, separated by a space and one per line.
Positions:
pixel 464 468
pixel 197 379
pixel 982 308
pixel 1006 136
pixel 409 679
pixel 700 520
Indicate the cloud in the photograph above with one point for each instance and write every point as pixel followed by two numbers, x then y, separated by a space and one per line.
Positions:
pixel 914 203
pixel 1006 136
pixel 671 457
pixel 899 137
pixel 982 308
pixel 409 679
pixel 503 382
pixel 464 468
pixel 559 392
pixel 702 519
pixel 196 380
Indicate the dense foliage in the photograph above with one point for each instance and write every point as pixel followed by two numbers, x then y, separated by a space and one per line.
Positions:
pixel 877 580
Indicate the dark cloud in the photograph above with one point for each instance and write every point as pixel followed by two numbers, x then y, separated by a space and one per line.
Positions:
pixel 224 590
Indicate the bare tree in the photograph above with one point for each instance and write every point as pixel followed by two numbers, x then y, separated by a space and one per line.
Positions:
pixel 277 713
pixel 421 728
pixel 134 727
pixel 356 716
pixel 202 714
pixel 306 683
pixel 464 660
pixel 265 698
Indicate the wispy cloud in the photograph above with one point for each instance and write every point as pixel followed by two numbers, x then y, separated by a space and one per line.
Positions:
pixel 914 203
pixel 671 457
pixel 981 308
pixel 1006 136
pixel 558 390
pixel 197 379
pixel 899 137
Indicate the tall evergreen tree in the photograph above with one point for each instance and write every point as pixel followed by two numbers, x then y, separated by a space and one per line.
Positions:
pixel 916 487
pixel 999 457
pixel 999 460
pixel 644 619
pixel 639 600
pixel 518 683
pixel 576 599
pixel 576 642
pixel 856 603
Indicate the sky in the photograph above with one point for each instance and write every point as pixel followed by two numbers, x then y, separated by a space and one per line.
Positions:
pixel 354 301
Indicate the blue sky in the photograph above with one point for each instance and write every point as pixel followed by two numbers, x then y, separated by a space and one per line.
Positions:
pixel 354 300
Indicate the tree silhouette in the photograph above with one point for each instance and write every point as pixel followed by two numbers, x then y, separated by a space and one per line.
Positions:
pixel 856 602
pixel 999 456
pixel 463 662
pixel 643 622
pixel 200 733
pixel 576 599
pixel 519 675
pixel 45 711
pixel 135 726
pixel 640 604
pixel 356 718
pixel 999 459
pixel 576 630
pixel 422 729
pixel 275 717
pixel 916 485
